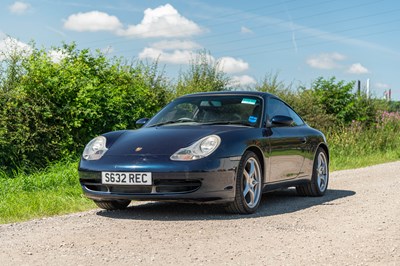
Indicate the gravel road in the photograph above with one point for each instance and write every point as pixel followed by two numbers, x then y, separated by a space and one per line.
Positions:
pixel 355 223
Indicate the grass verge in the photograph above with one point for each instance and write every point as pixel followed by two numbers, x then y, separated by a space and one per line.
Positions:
pixel 359 146
pixel 53 191
pixel 352 162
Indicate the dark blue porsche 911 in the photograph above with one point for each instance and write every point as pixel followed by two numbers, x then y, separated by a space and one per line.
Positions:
pixel 220 147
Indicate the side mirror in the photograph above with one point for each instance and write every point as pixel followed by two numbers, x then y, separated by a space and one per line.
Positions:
pixel 282 120
pixel 141 122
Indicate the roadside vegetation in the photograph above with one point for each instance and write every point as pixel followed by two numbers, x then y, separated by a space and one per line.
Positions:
pixel 51 108
pixel 50 191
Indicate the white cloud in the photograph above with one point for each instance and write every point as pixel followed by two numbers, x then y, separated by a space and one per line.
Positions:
pixel 163 21
pixel 183 51
pixel 176 44
pixel 245 30
pixel 19 8
pixel 243 80
pixel 174 57
pixel 10 47
pixel 92 21
pixel 382 85
pixel 57 55
pixel 185 56
pixel 232 65
pixel 325 60
pixel 174 51
pixel 357 69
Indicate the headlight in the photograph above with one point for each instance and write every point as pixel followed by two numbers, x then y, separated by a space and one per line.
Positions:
pixel 200 149
pixel 95 149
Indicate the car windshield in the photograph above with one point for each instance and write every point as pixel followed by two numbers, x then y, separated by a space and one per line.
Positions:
pixel 218 109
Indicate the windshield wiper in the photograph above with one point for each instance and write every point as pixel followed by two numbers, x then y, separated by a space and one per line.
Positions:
pixel 242 123
pixel 172 122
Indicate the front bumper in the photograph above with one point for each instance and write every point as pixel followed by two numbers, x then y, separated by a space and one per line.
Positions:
pixel 215 183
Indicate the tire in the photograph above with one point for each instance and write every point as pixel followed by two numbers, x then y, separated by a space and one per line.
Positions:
pixel 248 185
pixel 112 204
pixel 320 177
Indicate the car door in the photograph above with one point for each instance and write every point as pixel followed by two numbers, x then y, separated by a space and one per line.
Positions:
pixel 286 142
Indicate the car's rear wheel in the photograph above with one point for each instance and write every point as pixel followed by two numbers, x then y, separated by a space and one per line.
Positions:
pixel 248 185
pixel 112 204
pixel 320 177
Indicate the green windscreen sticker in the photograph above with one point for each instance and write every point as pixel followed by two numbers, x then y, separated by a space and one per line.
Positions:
pixel 249 101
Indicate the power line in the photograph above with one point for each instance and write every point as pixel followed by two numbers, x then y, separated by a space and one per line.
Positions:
pixel 259 36
pixel 271 13
pixel 219 16
pixel 318 43
pixel 123 39
pixel 297 19
pixel 314 36
pixel 277 24
pixel 325 34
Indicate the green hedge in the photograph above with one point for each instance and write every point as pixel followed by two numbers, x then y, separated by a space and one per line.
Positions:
pixel 50 110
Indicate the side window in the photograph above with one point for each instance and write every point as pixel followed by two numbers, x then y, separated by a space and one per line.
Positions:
pixel 296 118
pixel 277 107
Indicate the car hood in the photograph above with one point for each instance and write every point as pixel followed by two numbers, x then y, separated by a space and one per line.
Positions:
pixel 164 140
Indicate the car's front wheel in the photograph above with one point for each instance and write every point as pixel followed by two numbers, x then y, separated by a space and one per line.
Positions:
pixel 112 204
pixel 320 177
pixel 248 185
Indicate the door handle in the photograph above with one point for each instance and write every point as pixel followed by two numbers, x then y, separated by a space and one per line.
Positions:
pixel 303 140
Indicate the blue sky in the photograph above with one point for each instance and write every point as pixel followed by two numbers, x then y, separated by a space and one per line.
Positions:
pixel 299 40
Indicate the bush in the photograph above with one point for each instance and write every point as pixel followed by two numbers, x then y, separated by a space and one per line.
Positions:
pixel 326 104
pixel 338 100
pixel 203 75
pixel 55 108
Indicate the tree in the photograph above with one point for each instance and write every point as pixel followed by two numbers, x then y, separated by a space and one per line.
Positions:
pixel 204 74
pixel 336 97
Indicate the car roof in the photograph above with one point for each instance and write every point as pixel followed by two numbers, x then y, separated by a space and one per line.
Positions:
pixel 221 93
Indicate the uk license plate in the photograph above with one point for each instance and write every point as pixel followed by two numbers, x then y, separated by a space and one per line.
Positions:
pixel 127 178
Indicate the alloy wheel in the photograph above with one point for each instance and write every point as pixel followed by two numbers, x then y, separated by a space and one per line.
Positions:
pixel 322 171
pixel 252 182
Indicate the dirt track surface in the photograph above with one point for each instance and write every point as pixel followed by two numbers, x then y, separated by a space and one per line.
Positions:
pixel 356 223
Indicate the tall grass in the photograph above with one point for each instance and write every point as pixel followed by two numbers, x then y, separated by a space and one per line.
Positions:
pixel 359 145
pixel 54 190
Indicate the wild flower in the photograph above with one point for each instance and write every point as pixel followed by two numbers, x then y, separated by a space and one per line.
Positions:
pixel 388 120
